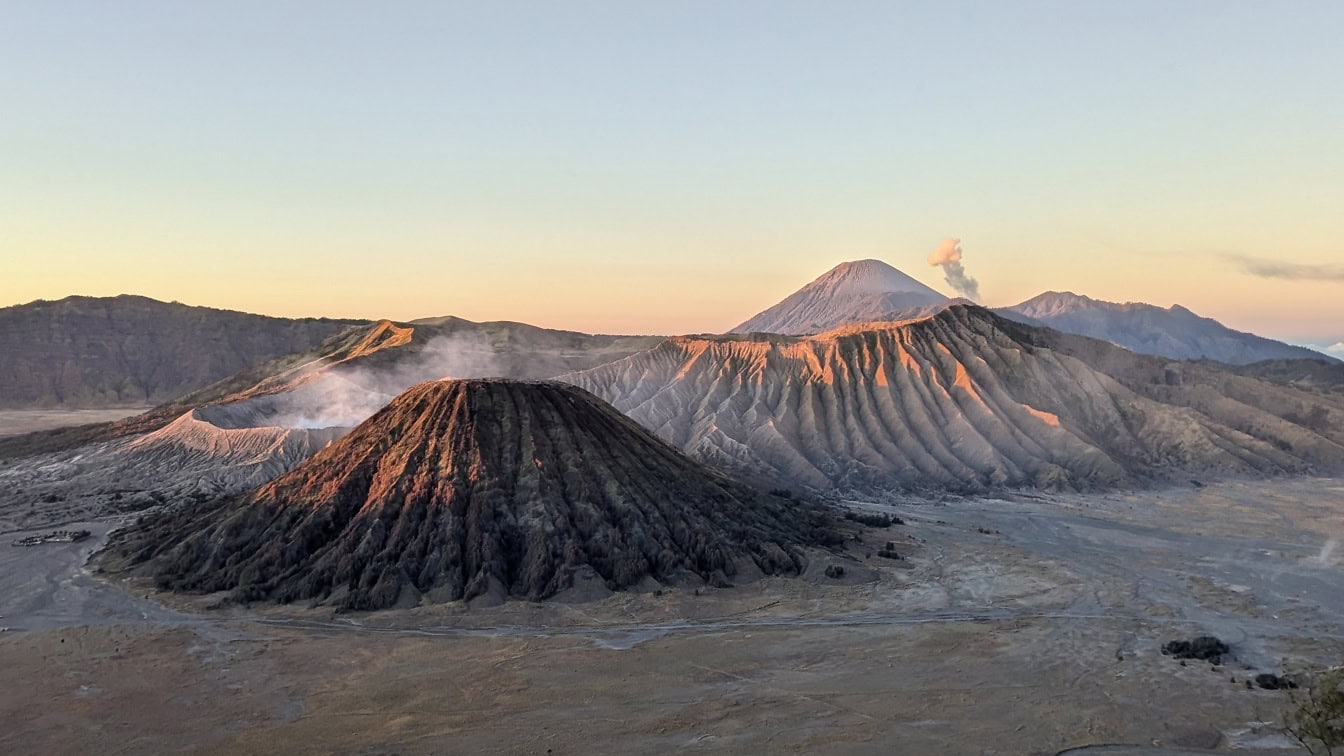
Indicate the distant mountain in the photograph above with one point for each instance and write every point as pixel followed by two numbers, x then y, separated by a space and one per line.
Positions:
pixel 966 401
pixel 854 292
pixel 130 350
pixel 469 488
pixel 1173 332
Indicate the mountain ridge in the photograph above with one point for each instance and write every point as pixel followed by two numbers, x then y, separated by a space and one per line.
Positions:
pixel 962 400
pixel 1175 332
pixel 132 350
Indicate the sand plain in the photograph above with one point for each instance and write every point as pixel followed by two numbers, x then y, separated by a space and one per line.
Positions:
pixel 1015 625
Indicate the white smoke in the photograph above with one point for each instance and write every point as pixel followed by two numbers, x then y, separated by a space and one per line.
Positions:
pixel 948 257
pixel 332 401
pixel 457 355
pixel 345 398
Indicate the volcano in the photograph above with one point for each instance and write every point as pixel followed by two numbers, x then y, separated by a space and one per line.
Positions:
pixel 966 401
pixel 863 291
pixel 467 488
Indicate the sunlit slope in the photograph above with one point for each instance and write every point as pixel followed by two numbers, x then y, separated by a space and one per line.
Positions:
pixel 963 400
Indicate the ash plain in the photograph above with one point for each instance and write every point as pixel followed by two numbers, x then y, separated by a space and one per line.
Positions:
pixel 1026 624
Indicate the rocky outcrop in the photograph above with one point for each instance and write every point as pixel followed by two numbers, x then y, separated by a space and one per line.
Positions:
pixel 466 488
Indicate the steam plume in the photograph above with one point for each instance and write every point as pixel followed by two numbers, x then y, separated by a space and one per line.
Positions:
pixel 350 396
pixel 948 256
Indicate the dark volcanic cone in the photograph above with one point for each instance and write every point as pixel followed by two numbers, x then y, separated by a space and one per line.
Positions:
pixel 462 488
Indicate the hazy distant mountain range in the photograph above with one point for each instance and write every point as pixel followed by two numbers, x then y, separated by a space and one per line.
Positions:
pixel 130 350
pixel 1171 332
pixel 868 291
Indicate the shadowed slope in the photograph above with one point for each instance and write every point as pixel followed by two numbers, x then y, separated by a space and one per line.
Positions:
pixel 281 375
pixel 966 401
pixel 471 487
pixel 129 350
pixel 1313 374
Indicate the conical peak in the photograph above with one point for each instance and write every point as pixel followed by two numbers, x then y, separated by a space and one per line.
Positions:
pixel 859 291
pixel 461 488
pixel 868 277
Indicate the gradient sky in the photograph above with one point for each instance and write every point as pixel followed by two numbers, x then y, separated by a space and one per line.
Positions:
pixel 672 166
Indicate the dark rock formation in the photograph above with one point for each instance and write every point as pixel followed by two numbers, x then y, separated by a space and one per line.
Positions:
pixel 1204 648
pixel 1270 681
pixel 459 489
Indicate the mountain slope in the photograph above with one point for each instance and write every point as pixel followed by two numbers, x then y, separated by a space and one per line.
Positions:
pixel 1173 332
pixel 471 487
pixel 382 359
pixel 963 400
pixel 128 350
pixel 1306 374
pixel 854 292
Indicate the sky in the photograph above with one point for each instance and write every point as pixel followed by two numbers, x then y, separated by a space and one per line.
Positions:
pixel 672 167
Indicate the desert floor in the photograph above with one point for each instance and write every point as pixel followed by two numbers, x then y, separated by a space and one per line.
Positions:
pixel 1024 625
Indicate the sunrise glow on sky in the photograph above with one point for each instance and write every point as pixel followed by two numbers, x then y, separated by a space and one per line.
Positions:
pixel 672 167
